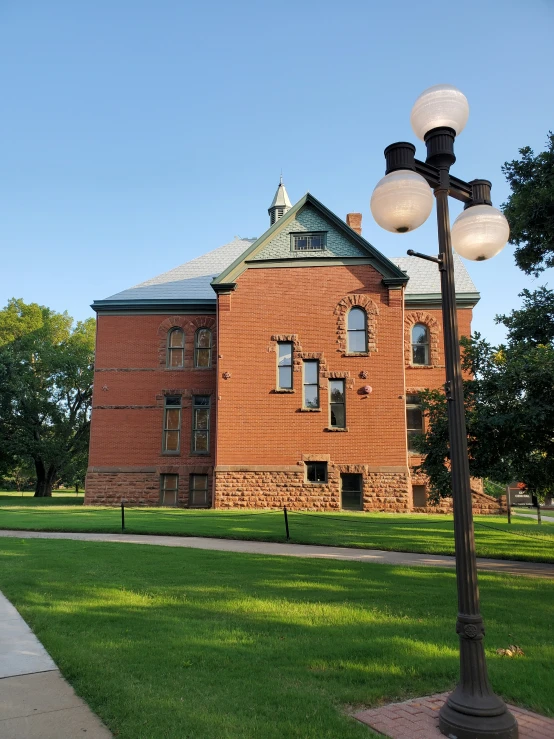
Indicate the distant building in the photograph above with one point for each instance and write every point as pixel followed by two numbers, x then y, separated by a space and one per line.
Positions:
pixel 271 371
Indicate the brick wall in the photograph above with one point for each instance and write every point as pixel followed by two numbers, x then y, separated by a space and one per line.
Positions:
pixel 130 383
pixel 259 426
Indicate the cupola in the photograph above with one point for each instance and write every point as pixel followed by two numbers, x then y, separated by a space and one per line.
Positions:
pixel 280 204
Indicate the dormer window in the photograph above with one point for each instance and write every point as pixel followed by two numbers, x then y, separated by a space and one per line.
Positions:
pixel 308 241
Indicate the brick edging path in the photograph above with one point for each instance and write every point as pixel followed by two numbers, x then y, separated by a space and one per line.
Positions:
pixel 418 718
pixel 372 556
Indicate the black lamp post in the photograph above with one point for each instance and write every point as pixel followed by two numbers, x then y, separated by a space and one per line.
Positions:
pixel 401 202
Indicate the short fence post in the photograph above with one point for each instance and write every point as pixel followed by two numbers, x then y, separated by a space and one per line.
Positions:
pixel 286 522
pixel 509 504
pixel 538 511
pixel 122 516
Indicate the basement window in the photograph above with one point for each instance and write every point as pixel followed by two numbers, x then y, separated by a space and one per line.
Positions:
pixel 198 492
pixel 316 472
pixel 308 241
pixel 169 490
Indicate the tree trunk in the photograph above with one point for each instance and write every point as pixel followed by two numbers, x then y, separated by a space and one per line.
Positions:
pixel 45 479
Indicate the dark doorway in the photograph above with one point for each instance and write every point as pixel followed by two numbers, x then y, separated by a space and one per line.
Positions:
pixel 351 492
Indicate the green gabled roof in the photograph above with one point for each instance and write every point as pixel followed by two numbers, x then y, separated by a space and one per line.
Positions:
pixel 391 273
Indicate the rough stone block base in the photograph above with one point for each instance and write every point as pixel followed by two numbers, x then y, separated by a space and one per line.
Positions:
pixel 251 487
pixel 139 486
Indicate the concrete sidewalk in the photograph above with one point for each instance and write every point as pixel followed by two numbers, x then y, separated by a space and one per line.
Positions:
pixel 544 516
pixel 35 701
pixel 372 556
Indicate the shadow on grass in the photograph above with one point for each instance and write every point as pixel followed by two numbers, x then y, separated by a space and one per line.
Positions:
pixel 167 642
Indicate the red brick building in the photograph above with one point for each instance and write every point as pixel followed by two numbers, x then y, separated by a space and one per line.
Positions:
pixel 281 370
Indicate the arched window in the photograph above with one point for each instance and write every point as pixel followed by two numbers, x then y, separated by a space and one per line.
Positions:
pixel 357 331
pixel 420 344
pixel 203 348
pixel 176 348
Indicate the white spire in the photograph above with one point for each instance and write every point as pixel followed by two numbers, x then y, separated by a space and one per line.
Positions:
pixel 280 204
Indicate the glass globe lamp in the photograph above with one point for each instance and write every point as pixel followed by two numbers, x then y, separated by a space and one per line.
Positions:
pixel 401 201
pixel 439 106
pixel 480 232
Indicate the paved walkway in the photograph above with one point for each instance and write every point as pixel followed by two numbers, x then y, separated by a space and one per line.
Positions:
pixel 545 517
pixel 35 701
pixel 373 556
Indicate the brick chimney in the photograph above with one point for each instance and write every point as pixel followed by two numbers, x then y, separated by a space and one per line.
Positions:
pixel 354 220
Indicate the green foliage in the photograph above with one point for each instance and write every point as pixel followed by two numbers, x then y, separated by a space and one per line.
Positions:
pixel 494 489
pixel 46 371
pixel 530 207
pixel 509 401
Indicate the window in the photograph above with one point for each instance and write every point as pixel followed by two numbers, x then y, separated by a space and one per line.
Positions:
pixel 311 384
pixel 201 424
pixel 420 344
pixel 308 241
pixel 316 472
pixel 414 421
pixel 198 491
pixel 284 366
pixel 169 490
pixel 203 348
pixel 171 443
pixel 357 331
pixel 351 492
pixel 419 496
pixel 337 403
pixel 176 348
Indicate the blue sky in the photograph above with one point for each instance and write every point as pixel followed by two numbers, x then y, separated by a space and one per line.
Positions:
pixel 137 135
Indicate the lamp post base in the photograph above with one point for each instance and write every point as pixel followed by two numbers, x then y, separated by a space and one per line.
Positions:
pixel 460 718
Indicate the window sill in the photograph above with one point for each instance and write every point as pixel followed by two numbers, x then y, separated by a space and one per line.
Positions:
pixel 425 366
pixel 200 454
pixel 309 482
pixel 309 410
pixel 334 429
pixel 171 454
pixel 356 354
pixel 196 369
pixel 283 391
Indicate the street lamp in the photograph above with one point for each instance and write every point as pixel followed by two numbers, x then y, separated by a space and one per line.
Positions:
pixel 401 202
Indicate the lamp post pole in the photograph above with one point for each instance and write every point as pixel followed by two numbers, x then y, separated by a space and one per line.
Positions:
pixel 472 711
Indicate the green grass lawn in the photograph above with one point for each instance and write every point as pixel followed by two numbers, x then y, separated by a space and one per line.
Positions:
pixel 63 496
pixel 177 643
pixel 523 539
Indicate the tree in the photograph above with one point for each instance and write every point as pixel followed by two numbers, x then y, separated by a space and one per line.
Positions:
pixel 46 372
pixel 509 403
pixel 530 208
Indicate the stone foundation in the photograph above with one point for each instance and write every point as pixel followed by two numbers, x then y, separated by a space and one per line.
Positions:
pixel 383 488
pixel 138 486
pixel 482 504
